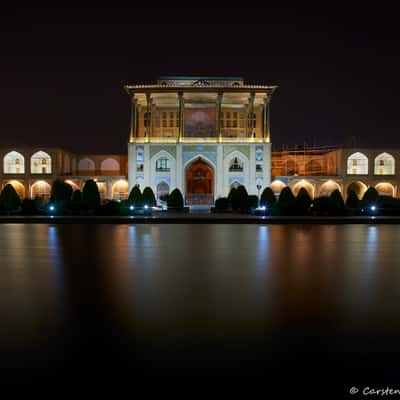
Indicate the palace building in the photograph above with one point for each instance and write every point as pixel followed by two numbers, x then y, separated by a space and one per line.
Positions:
pixel 203 136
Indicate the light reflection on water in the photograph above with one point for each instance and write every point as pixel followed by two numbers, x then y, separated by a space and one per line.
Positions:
pixel 180 283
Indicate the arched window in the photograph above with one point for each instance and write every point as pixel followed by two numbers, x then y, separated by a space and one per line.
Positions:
pixel 163 165
pixel 162 189
pixel 14 163
pixel 86 165
pixel 109 165
pixel 384 164
pixel 41 190
pixel 120 190
pixel 236 165
pixel 40 163
pixel 357 164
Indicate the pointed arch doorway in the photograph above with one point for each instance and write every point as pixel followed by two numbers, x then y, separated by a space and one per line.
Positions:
pixel 199 183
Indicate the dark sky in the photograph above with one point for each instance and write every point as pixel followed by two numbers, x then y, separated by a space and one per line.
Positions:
pixel 62 70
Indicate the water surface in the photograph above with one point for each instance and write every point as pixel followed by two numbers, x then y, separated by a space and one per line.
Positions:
pixel 298 303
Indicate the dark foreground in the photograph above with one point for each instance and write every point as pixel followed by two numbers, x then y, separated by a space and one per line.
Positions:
pixel 300 308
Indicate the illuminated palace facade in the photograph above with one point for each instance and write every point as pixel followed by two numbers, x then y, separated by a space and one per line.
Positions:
pixel 203 136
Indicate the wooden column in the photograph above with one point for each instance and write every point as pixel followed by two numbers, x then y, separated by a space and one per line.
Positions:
pixel 219 106
pixel 148 114
pixel 134 120
pixel 250 114
pixel 266 120
pixel 181 116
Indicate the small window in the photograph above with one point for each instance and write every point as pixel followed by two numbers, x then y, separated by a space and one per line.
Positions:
pixel 162 165
pixel 140 155
pixel 259 168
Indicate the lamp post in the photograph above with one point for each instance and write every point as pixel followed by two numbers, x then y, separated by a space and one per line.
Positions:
pixel 258 188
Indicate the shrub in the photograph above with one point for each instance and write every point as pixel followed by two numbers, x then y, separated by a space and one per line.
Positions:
pixel 110 208
pixel 61 193
pixel 90 195
pixel 252 201
pixel 352 201
pixel 222 204
pixel 233 198
pixel 77 197
pixel 136 197
pixel 370 197
pixel 9 199
pixel 268 198
pixel 336 203
pixel 286 203
pixel 237 198
pixel 303 202
pixel 148 197
pixel 321 205
pixel 29 207
pixel 175 199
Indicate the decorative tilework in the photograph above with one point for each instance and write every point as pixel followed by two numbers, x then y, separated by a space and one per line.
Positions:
pixel 244 149
pixel 191 151
pixel 154 149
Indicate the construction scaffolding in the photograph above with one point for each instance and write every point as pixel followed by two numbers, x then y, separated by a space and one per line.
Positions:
pixel 305 161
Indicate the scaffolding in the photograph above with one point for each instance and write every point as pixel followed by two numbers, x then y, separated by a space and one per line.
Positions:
pixel 305 161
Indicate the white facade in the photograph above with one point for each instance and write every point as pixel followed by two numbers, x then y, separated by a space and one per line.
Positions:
pixel 144 171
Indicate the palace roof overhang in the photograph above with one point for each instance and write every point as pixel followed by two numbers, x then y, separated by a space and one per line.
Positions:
pixel 159 88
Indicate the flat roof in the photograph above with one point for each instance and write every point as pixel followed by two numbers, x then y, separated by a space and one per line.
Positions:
pixel 211 78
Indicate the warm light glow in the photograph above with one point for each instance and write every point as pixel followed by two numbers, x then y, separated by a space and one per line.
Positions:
pixel 120 190
pixel 18 187
pixel 359 188
pixel 328 187
pixel 303 184
pixel 40 189
pixel 385 189
pixel 277 186
pixel 74 185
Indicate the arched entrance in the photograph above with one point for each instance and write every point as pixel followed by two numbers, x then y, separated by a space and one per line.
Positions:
pixel 199 183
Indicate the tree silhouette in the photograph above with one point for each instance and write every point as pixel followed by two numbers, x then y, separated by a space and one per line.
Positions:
pixel 9 199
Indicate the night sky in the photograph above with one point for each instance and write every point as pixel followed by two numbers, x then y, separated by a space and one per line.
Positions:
pixel 63 70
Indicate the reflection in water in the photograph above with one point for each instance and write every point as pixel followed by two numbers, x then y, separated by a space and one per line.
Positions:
pixel 209 297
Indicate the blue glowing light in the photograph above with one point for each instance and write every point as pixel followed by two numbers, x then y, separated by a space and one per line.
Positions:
pixel 146 206
pixel 131 208
pixel 52 208
pixel 373 208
